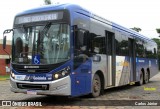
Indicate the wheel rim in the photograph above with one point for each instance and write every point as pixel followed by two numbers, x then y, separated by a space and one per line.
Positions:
pixel 96 86
pixel 146 79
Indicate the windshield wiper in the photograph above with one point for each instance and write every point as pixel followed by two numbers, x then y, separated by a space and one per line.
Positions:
pixel 41 36
pixel 25 32
pixel 46 28
pixel 43 32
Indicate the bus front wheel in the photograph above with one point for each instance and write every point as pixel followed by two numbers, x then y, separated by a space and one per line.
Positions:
pixel 96 86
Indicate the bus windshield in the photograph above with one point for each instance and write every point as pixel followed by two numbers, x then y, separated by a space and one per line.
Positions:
pixel 50 42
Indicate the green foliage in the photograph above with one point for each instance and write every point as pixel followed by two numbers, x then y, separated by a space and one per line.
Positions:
pixel 158 44
pixel 136 29
pixel 157 41
pixel 47 2
pixel 4 77
pixel 158 30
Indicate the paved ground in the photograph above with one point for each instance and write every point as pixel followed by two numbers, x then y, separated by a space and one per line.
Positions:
pixel 124 95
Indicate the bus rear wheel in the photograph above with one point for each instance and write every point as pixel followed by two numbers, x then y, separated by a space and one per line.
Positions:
pixel 146 79
pixel 96 86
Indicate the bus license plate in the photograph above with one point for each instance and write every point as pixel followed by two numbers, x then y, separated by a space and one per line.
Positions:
pixel 31 92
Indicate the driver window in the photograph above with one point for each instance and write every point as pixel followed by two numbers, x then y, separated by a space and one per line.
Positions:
pixel 81 51
pixel 81 45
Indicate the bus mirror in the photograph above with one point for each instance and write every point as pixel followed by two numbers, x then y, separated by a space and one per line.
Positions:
pixel 5 37
pixel 96 58
pixel 4 42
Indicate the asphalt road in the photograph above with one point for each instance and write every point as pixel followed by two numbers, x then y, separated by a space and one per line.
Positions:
pixel 114 98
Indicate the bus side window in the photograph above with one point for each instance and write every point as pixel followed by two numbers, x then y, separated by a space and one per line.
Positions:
pixel 81 51
pixel 99 45
pixel 81 42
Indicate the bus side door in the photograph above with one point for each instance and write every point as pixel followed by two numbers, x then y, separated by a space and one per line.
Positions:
pixel 110 53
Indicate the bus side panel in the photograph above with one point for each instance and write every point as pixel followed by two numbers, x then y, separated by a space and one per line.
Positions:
pixel 144 63
pixel 81 79
pixel 141 63
pixel 122 70
pixel 153 66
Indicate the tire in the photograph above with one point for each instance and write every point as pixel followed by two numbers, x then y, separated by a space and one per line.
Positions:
pixel 139 83
pixel 146 79
pixel 96 86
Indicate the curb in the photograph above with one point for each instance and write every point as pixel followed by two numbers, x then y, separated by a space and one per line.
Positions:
pixel 3 79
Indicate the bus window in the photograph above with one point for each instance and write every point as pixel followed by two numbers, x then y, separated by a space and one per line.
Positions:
pixel 140 50
pixel 121 45
pixel 99 45
pixel 81 50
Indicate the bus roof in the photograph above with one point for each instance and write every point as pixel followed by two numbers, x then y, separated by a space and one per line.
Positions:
pixel 50 8
pixel 73 7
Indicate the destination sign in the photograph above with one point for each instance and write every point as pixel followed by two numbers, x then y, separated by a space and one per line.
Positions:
pixel 39 17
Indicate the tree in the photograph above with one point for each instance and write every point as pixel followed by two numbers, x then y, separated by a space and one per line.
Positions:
pixel 136 29
pixel 158 43
pixel 47 2
pixel 158 31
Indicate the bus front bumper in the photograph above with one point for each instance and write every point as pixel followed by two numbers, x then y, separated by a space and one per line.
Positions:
pixel 57 87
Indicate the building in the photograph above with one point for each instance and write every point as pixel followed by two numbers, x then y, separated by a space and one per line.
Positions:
pixel 4 57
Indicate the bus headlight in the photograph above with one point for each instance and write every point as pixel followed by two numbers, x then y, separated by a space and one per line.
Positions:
pixel 56 76
pixel 62 73
pixel 12 75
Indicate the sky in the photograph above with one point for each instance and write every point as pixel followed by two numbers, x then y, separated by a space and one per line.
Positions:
pixel 144 14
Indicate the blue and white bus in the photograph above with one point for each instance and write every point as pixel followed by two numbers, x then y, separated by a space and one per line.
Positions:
pixel 67 50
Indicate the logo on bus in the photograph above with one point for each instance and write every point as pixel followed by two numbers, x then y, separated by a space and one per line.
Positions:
pixel 36 59
pixel 31 78
pixel 125 63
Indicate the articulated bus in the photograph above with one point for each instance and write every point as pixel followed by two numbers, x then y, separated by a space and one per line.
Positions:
pixel 69 51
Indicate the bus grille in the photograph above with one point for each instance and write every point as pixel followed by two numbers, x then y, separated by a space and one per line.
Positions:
pixel 32 70
pixel 33 86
